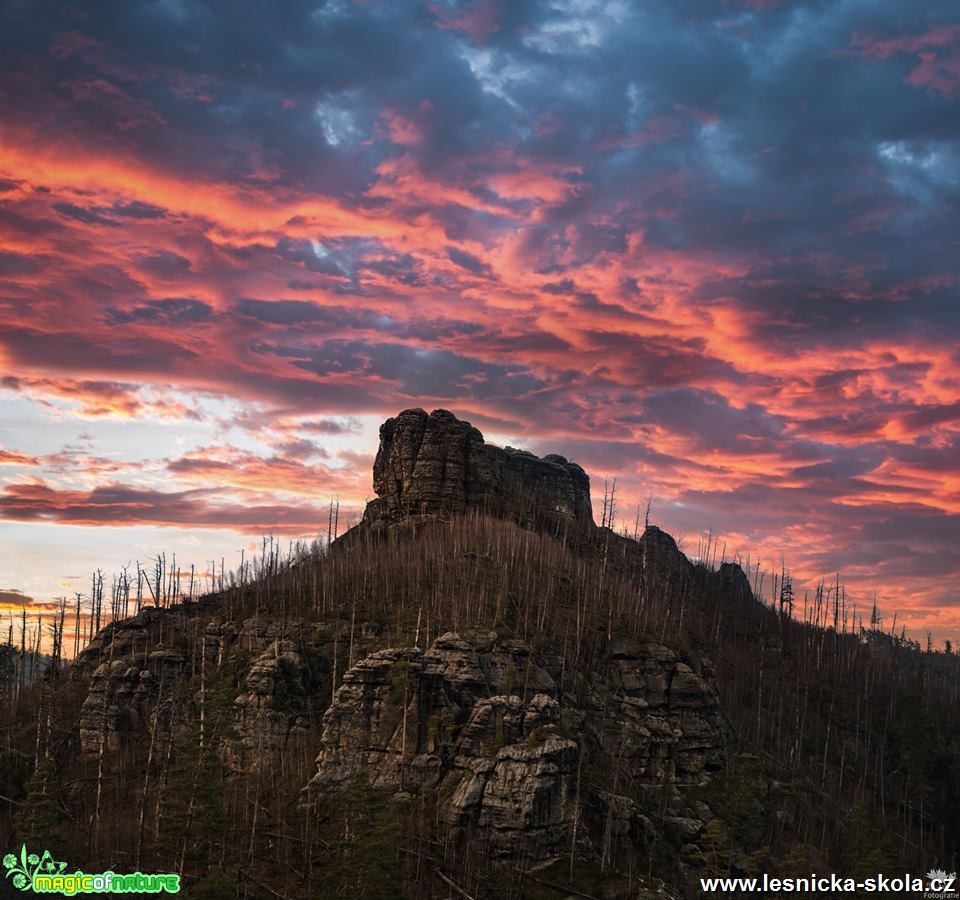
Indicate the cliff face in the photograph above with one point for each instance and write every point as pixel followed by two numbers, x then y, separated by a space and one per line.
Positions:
pixel 477 720
pixel 735 582
pixel 124 698
pixel 437 463
pixel 135 685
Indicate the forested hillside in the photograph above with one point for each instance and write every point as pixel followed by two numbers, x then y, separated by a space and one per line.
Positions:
pixel 465 696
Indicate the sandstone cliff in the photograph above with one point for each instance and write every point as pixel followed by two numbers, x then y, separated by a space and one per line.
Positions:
pixel 437 463
pixel 478 720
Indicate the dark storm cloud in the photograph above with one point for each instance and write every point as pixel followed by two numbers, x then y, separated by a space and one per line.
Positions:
pixel 817 307
pixel 468 261
pixel 248 91
pixel 173 310
pixel 417 371
pixel 310 316
pixel 88 216
pixel 314 258
pixel 712 420
pixel 164 263
pixel 17 264
pixel 82 352
pixel 765 110
pixel 349 262
pixel 402 268
pixel 118 504
pixel 327 426
pixel 286 312
pixel 767 113
pixel 138 210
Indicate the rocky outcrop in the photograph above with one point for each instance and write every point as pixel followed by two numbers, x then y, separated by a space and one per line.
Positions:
pixel 273 709
pixel 122 697
pixel 478 720
pixel 661 553
pixel 278 691
pixel 437 463
pixel 734 582
pixel 286 684
pixel 399 713
pixel 524 799
pixel 655 715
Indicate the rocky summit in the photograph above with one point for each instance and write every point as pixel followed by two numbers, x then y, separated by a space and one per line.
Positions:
pixel 436 463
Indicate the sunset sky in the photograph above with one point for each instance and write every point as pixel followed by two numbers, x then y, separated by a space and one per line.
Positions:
pixel 709 247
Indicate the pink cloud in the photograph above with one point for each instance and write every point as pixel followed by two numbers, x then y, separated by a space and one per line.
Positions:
pixel 938 68
pixel 874 47
pixel 476 20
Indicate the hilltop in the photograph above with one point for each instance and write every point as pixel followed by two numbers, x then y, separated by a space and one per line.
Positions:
pixel 478 691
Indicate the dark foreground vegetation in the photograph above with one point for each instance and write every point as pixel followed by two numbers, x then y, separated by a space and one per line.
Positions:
pixel 842 744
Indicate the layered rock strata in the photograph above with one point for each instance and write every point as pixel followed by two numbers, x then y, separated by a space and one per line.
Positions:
pixel 436 463
pixel 478 720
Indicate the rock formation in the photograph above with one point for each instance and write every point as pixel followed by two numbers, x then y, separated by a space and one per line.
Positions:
pixel 131 688
pixel 495 732
pixel 434 464
pixel 437 463
pixel 478 720
pixel 123 696
pixel 734 582
pixel 273 708
pixel 656 714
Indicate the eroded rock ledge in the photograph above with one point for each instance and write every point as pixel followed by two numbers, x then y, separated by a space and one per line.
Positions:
pixel 476 719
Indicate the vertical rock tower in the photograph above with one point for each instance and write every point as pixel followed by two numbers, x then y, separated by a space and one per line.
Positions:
pixel 436 463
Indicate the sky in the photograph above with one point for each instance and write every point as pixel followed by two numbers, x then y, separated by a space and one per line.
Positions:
pixel 707 247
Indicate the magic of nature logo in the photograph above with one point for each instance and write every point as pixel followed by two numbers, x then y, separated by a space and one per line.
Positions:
pixel 45 875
